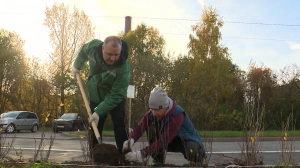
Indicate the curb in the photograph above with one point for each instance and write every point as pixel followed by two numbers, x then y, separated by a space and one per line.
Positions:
pixel 204 139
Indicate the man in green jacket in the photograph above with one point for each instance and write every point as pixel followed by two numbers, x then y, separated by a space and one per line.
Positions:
pixel 107 84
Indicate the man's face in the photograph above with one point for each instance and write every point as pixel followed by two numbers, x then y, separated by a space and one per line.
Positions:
pixel 159 113
pixel 111 54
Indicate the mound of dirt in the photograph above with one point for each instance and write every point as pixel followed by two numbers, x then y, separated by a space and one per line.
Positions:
pixel 106 154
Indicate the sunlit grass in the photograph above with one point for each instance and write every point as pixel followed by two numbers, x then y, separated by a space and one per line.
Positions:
pixel 267 133
pixel 104 133
pixel 45 128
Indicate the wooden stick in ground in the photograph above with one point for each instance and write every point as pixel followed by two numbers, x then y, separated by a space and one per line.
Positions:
pixel 86 102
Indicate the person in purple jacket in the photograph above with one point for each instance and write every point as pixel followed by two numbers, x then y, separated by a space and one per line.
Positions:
pixel 169 128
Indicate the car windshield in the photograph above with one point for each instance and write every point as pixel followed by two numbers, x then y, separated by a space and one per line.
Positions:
pixel 68 116
pixel 9 114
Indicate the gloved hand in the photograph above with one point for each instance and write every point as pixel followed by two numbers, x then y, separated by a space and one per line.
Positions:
pixel 75 71
pixel 134 157
pixel 94 117
pixel 127 146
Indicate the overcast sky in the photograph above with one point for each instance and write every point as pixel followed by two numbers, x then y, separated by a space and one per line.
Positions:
pixel 265 32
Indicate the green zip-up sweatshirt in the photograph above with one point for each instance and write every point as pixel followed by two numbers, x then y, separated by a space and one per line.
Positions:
pixel 107 84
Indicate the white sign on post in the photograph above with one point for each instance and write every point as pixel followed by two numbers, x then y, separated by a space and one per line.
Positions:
pixel 130 91
pixel 130 95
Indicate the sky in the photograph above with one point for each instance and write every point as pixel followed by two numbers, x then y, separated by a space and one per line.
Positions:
pixel 265 32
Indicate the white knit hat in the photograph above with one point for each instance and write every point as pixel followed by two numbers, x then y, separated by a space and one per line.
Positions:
pixel 158 98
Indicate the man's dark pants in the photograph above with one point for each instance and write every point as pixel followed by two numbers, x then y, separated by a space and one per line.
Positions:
pixel 191 150
pixel 118 119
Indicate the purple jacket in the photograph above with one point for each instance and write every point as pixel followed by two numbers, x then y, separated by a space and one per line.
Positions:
pixel 168 132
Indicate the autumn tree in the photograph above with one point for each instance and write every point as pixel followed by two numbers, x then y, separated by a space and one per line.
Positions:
pixel 285 98
pixel 210 70
pixel 239 84
pixel 12 67
pixel 149 66
pixel 69 30
pixel 178 77
pixel 261 81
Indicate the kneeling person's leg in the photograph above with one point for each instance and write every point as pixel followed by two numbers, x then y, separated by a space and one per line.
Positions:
pixel 194 152
pixel 191 150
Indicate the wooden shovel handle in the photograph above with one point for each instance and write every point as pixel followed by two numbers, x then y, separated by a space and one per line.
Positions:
pixel 86 102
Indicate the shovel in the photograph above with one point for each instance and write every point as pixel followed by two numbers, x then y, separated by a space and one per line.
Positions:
pixel 96 132
pixel 102 153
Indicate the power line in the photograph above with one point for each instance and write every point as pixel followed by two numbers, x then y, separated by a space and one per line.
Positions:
pixel 176 19
pixel 245 38
pixel 266 24
pixel 121 17
pixel 250 38
pixel 197 20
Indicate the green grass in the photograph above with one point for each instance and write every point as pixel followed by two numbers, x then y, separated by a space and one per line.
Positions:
pixel 104 133
pixel 45 128
pixel 267 133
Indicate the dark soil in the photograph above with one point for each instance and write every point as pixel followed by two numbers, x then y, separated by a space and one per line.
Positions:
pixel 106 154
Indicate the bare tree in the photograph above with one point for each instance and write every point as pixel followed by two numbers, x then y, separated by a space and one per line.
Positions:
pixel 68 32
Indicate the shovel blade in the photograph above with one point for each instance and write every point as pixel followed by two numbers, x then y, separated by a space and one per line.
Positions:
pixel 99 140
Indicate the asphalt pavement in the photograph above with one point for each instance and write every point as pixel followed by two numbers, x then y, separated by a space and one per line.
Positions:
pixel 68 148
pixel 224 150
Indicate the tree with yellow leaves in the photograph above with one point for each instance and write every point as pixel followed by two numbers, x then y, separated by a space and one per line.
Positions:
pixel 68 32
pixel 12 66
pixel 211 71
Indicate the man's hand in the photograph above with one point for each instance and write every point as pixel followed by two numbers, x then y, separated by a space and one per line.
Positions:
pixel 134 157
pixel 94 117
pixel 75 71
pixel 127 144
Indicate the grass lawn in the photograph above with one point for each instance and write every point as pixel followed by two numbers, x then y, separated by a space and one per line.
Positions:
pixel 267 133
pixel 104 133
pixel 45 128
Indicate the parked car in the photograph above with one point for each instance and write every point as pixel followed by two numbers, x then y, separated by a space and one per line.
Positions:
pixel 13 121
pixel 70 122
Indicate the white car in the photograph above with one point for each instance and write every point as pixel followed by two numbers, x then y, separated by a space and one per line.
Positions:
pixel 13 121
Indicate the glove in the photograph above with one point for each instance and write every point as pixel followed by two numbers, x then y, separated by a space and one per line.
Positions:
pixel 134 157
pixel 75 71
pixel 94 117
pixel 126 146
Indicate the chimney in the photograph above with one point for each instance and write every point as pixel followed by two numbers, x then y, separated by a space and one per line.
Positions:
pixel 127 24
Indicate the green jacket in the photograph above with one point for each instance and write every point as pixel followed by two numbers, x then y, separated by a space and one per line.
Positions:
pixel 107 84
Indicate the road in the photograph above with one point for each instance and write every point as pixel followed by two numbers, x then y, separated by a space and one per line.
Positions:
pixel 69 148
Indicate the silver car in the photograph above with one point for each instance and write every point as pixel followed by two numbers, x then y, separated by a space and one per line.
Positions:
pixel 13 121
